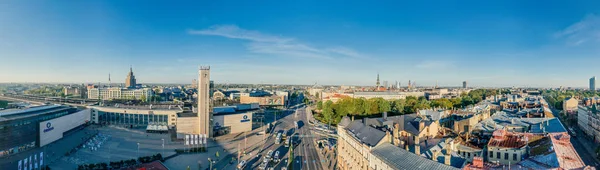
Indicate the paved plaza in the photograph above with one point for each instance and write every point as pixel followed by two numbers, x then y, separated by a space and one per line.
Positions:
pixel 120 143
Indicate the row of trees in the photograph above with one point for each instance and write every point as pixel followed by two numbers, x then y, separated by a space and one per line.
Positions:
pixel 331 112
pixel 556 97
pixel 47 91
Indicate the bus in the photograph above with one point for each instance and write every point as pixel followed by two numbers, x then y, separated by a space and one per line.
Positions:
pixel 278 139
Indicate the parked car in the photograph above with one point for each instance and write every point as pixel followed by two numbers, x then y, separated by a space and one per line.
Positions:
pixel 241 164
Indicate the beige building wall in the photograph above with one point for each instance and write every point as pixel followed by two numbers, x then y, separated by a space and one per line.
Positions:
pixel 204 111
pixel 462 125
pixel 403 138
pixel 570 105
pixel 239 123
pixel 268 100
pixel 352 154
pixel 187 125
pixel 507 155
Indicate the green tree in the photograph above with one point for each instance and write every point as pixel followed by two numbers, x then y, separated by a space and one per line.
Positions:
pixel 143 98
pixel 383 105
pixel 442 103
pixel 399 106
pixel 320 105
pixel 456 102
pixel 327 111
pixel 290 164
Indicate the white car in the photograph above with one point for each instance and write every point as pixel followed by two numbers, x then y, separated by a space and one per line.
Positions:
pixel 276 156
pixel 242 164
pixel 263 166
pixel 268 156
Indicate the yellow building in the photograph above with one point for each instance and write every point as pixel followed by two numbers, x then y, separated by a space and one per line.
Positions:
pixel 355 142
pixel 570 105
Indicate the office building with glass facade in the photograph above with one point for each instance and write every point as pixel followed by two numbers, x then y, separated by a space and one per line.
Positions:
pixel 136 116
pixel 20 128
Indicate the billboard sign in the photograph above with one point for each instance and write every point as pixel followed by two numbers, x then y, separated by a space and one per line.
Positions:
pixel 48 127
pixel 245 119
pixel 53 129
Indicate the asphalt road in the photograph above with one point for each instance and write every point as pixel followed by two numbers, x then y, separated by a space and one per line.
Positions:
pixel 305 152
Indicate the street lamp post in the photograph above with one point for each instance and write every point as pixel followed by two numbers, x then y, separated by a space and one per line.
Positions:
pixel 210 165
pixel 163 147
pixel 138 150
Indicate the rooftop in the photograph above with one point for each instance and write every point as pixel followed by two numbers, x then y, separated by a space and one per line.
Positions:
pixel 504 139
pixel 365 134
pixel 565 152
pixel 501 120
pixel 13 114
pixel 398 158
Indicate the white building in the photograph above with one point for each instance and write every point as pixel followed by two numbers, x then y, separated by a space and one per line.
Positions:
pixel 119 93
pixel 387 95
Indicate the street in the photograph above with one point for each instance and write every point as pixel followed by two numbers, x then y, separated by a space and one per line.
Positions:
pixel 305 152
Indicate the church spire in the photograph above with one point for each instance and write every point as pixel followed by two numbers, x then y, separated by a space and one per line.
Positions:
pixel 377 80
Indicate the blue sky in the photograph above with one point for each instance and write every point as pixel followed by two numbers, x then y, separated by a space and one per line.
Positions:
pixel 502 43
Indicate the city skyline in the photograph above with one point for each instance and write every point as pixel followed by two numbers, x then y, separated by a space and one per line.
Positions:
pixel 503 44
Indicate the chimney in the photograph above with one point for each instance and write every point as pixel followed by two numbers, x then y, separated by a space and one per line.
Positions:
pixel 384 115
pixel 390 138
pixel 418 149
pixel 435 155
pixel 478 162
pixel 447 158
pixel 421 125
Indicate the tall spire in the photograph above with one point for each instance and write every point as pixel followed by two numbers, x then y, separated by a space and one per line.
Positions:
pixel 377 80
pixel 130 69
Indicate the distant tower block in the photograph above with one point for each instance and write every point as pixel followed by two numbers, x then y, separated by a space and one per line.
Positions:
pixel 464 84
pixel 204 113
pixel 377 80
pixel 130 81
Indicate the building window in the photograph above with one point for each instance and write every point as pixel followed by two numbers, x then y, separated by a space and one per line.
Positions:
pixel 506 156
pixel 498 155
pixel 491 154
pixel 469 154
pixel 514 156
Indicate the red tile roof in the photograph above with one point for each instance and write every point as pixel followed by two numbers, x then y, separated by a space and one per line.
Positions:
pixel 504 139
pixel 565 152
pixel 156 165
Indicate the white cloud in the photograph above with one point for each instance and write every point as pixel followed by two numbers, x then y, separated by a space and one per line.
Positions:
pixel 586 30
pixel 434 64
pixel 346 51
pixel 233 31
pixel 276 45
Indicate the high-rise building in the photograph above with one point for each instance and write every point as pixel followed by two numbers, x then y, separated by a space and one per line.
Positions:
pixel 593 83
pixel 465 84
pixel 204 111
pixel 194 84
pixel 385 84
pixel 130 81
